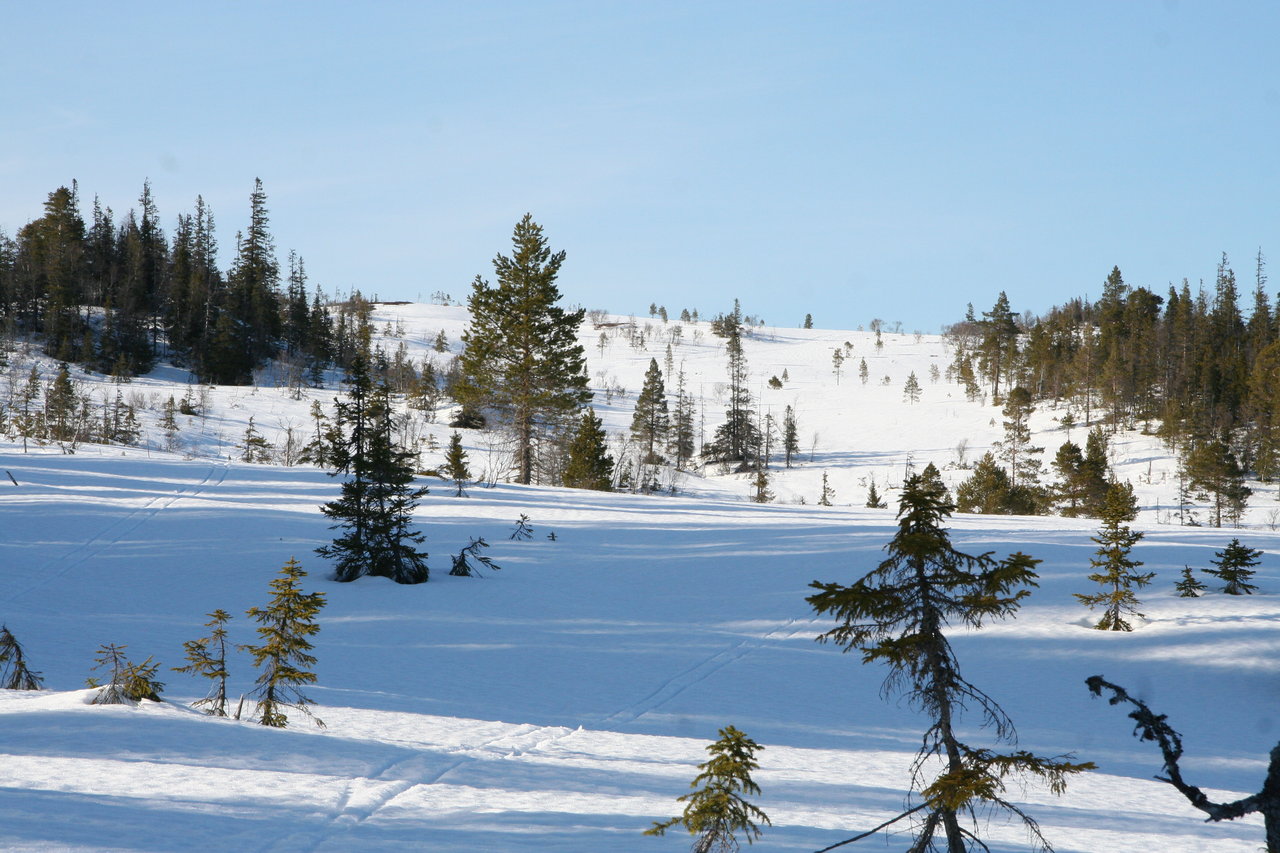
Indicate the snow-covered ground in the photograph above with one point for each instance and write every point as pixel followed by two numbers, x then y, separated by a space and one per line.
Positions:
pixel 562 703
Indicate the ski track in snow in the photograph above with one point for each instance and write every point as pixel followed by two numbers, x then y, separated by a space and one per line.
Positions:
pixel 682 681
pixel 116 531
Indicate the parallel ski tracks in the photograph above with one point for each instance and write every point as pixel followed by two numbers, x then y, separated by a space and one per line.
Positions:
pixel 58 566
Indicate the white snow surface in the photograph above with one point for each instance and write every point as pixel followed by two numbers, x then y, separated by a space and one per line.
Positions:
pixel 563 702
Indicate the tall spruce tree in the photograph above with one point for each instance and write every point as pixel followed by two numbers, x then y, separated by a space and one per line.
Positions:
pixel 738 439
pixel 790 437
pixel 522 358
pixel 375 510
pixel 651 421
pixel 283 653
pixel 1116 570
pixel 897 614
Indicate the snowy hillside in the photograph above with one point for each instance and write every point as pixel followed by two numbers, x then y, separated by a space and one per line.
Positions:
pixel 562 703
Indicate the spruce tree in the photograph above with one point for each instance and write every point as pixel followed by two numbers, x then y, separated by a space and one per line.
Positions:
pixel 207 657
pixel 717 809
pixel 1188 585
pixel 790 437
pixel 651 421
pixel 283 654
pixel 737 439
pixel 874 501
pixel 911 391
pixel 522 357
pixel 682 426
pixel 1214 473
pixel 589 466
pixel 455 465
pixel 375 509
pixel 1116 570
pixel 827 493
pixel 896 615
pixel 1235 568
pixel 14 672
pixel 128 682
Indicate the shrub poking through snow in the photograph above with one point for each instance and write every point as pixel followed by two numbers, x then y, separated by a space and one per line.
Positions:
pixel 129 682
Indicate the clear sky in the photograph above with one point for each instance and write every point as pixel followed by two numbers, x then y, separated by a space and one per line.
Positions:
pixel 848 159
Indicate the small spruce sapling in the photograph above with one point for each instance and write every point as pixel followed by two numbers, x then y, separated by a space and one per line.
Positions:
pixel 285 625
pixel 874 501
pixel 716 809
pixel 129 682
pixel 207 657
pixel 1235 568
pixel 824 499
pixel 1116 570
pixel 455 465
pixel 1189 586
pixel 523 531
pixel 14 673
pixel 467 562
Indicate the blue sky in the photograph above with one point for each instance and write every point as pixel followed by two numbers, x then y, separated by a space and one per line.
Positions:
pixel 852 160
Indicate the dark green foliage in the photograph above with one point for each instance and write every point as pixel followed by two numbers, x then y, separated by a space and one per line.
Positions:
pixel 455 464
pixel 14 673
pixel 375 510
pixel 1214 473
pixel 522 358
pixel 523 532
pixel 254 447
pixel 207 657
pixel 717 809
pixel 1189 586
pixel 1116 570
pixel 738 439
pixel 589 465
pixel 897 614
pixel 283 654
pixel 1153 727
pixel 682 446
pixel 760 486
pixel 468 562
pixel 128 682
pixel 990 492
pixel 808 321
pixel 651 421
pixel 1016 450
pixel 874 501
pixel 1235 568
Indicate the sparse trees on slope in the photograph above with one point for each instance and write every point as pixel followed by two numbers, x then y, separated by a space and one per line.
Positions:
pixel 1235 568
pixel 522 357
pixel 718 810
pixel 283 654
pixel 897 614
pixel 1153 727
pixel 1116 570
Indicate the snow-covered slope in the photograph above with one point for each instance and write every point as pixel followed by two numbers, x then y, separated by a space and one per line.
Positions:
pixel 562 703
